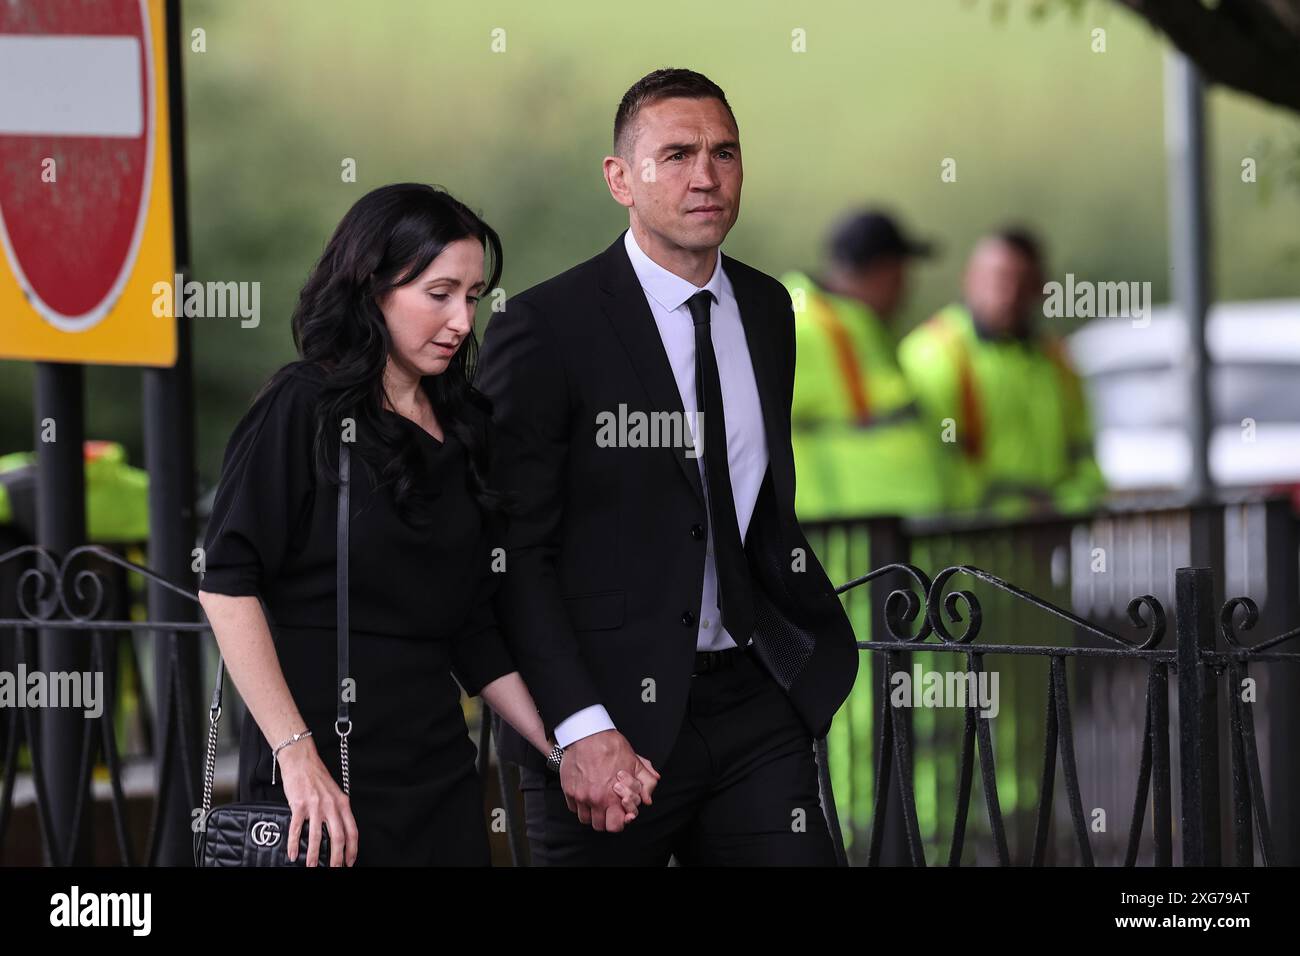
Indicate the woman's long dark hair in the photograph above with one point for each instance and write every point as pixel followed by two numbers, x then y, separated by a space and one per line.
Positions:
pixel 388 238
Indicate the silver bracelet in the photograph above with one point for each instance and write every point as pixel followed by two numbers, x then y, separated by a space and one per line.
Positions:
pixel 276 752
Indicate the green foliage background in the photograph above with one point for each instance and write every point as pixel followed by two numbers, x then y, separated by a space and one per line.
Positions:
pixel 1044 131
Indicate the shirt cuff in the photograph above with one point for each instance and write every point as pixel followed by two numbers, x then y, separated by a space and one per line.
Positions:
pixel 584 723
pixel 233 581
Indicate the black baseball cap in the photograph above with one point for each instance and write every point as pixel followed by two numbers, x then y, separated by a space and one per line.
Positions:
pixel 862 237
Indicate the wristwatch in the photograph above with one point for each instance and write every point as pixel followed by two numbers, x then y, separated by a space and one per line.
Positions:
pixel 554 758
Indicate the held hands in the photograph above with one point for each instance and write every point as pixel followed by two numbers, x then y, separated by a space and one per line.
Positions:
pixel 316 799
pixel 605 781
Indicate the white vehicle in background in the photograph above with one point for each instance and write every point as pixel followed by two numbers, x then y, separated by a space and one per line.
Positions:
pixel 1138 390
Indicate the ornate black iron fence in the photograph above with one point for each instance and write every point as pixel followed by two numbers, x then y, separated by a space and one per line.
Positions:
pixel 1091 565
pixel 1179 737
pixel 49 600
pixel 1204 666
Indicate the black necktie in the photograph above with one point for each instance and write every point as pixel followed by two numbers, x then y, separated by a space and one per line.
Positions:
pixel 734 588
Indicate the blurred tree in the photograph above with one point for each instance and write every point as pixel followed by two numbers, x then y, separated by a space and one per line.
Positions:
pixel 1250 45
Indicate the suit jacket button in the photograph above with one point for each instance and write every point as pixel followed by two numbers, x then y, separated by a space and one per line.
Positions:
pixel 688 618
pixel 697 532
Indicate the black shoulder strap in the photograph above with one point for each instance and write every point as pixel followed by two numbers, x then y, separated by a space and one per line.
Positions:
pixel 344 519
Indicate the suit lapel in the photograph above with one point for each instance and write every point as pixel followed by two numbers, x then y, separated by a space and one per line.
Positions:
pixel 625 306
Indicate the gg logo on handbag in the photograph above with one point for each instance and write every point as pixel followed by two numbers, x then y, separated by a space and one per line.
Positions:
pixel 265 833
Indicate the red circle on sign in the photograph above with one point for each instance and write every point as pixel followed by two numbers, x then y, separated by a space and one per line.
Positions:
pixel 72 242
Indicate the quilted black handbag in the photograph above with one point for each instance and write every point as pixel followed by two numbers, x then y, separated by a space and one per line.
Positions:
pixel 255 833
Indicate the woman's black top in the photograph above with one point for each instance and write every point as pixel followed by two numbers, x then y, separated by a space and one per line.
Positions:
pixel 420 613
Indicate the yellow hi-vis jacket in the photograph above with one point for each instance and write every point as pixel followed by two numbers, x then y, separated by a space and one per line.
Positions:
pixel 859 444
pixel 1012 414
pixel 117 495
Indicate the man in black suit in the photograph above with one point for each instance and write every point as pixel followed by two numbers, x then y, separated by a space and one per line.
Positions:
pixel 660 599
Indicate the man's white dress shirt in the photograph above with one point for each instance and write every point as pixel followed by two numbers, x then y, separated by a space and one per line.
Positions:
pixel 747 457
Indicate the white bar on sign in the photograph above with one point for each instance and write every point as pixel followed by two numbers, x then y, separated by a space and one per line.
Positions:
pixel 70 86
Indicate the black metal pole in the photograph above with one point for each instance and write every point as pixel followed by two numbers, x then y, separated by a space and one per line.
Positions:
pixel 60 527
pixel 1207 533
pixel 1189 251
pixel 887 544
pixel 1206 530
pixel 1278 615
pixel 169 459
pixel 1198 717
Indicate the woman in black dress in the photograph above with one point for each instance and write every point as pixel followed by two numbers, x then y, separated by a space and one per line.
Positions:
pixel 384 328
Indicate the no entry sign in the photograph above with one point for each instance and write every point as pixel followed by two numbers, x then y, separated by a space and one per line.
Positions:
pixel 85 181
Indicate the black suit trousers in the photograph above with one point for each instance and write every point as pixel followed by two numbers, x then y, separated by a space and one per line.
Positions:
pixel 738 789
